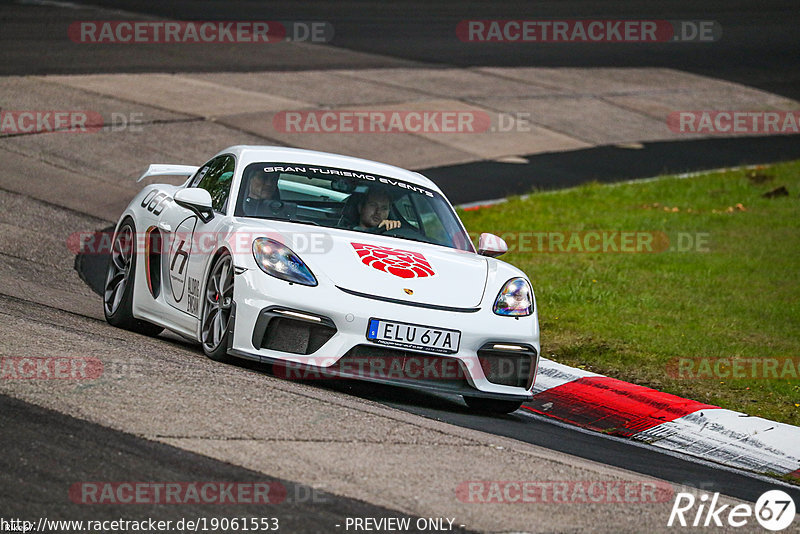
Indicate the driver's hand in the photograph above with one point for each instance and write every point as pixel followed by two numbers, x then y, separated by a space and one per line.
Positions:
pixel 389 225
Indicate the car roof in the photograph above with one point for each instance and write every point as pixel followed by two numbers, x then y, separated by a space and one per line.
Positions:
pixel 247 154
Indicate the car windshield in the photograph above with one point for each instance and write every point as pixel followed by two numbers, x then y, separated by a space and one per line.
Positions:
pixel 350 200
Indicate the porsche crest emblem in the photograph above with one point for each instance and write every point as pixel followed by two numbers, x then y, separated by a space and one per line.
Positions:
pixel 408 291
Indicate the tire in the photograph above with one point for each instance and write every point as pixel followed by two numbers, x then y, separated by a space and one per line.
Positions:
pixel 218 309
pixel 120 281
pixel 492 405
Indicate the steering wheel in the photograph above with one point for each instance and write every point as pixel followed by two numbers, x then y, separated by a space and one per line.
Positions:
pixel 403 231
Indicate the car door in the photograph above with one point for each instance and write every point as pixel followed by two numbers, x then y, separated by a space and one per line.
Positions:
pixel 190 241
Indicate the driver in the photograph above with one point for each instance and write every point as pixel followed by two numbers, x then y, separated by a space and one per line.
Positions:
pixel 374 210
pixel 261 189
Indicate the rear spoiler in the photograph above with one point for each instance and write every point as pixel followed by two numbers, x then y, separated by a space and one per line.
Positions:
pixel 168 170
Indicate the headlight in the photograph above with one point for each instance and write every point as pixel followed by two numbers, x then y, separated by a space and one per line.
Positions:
pixel 279 261
pixel 515 299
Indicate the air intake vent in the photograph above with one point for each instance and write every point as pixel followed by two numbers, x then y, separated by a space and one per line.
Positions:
pixel 504 365
pixel 295 336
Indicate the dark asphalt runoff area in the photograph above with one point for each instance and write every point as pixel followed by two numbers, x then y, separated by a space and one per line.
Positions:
pixel 759 45
pixel 607 164
pixel 49 453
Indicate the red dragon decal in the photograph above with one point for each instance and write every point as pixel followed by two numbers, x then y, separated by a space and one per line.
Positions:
pixel 399 262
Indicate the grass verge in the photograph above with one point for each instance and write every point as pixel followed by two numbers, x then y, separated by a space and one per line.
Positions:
pixel 710 312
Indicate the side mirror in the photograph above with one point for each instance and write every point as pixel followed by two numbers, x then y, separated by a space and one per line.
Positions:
pixel 197 200
pixel 491 245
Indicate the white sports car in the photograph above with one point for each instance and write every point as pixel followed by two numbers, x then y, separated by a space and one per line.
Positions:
pixel 325 266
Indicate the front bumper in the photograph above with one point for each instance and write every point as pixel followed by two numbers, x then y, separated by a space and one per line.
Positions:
pixel 320 332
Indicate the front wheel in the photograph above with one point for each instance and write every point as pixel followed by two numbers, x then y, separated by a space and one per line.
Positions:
pixel 120 282
pixel 492 405
pixel 217 308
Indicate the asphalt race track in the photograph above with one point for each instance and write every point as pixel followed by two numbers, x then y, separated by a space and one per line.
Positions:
pixel 528 427
pixel 162 412
pixel 759 45
pixel 606 164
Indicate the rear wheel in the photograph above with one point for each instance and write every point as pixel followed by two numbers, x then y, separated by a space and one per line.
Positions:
pixel 492 405
pixel 217 308
pixel 120 281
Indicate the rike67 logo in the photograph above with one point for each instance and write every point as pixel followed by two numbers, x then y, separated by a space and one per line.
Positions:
pixel 774 510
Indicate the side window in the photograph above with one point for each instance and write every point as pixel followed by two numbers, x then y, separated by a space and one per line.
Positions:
pixel 200 173
pixel 215 177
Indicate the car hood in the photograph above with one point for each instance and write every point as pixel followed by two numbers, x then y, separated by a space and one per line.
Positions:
pixel 404 270
pixel 386 267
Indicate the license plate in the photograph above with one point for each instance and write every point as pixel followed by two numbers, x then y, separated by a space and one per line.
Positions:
pixel 413 336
